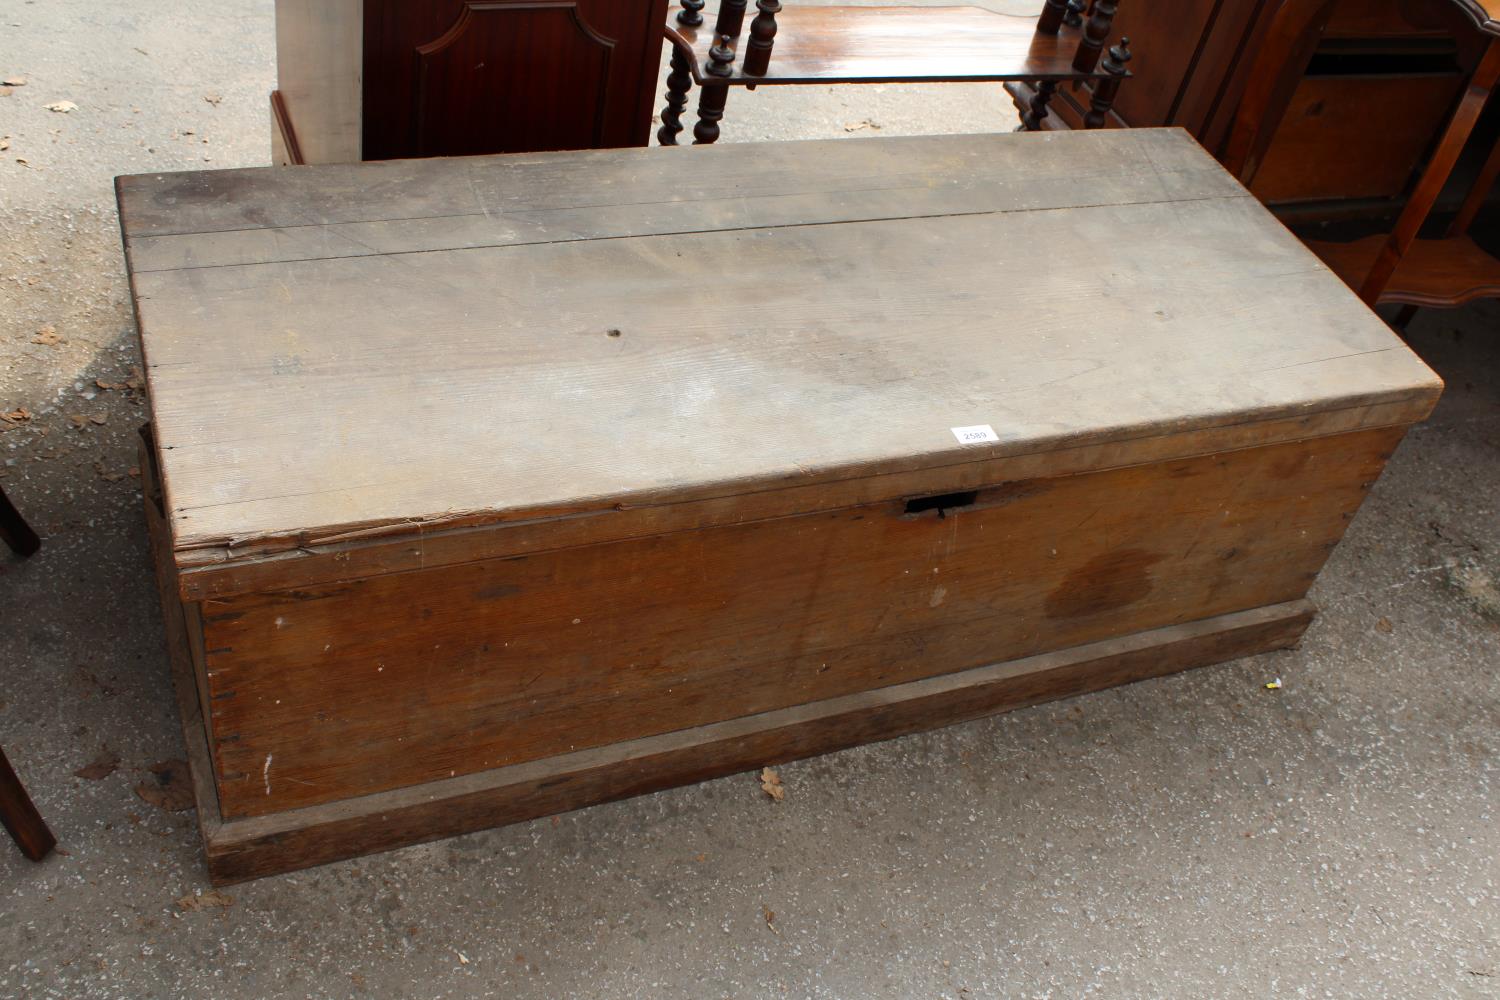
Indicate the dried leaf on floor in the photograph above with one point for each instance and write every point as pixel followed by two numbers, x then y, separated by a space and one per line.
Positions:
pixel 137 378
pixel 770 916
pixel 47 335
pixel 78 420
pixel 770 783
pixel 204 901
pixel 106 475
pixel 19 415
pixel 14 81
pixel 169 786
pixel 213 99
pixel 1384 625
pixel 856 126
pixel 102 766
pixel 61 107
pixel 4 142
pixel 99 419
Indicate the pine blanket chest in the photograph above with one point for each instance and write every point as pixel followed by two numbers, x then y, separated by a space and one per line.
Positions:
pixel 487 488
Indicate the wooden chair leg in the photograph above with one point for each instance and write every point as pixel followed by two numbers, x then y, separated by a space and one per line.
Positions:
pixel 679 83
pixel 1403 317
pixel 15 531
pixel 22 821
pixel 1475 199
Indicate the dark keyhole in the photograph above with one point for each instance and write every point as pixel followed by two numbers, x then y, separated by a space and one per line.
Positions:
pixel 941 502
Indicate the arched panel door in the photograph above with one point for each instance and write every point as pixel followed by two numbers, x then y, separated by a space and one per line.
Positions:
pixel 460 77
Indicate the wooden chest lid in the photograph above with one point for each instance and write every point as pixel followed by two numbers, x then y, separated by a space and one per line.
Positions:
pixel 387 349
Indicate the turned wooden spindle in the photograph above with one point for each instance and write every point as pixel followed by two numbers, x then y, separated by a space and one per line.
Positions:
pixel 731 18
pixel 721 57
pixel 762 37
pixel 691 14
pixel 1106 89
pixel 1094 33
pixel 712 97
pixel 679 82
pixel 1052 17
pixel 1073 12
pixel 710 113
pixel 1031 120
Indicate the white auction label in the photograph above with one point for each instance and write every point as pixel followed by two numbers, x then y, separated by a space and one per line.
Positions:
pixel 975 435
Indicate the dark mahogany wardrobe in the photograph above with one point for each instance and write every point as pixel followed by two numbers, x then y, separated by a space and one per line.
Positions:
pixel 379 79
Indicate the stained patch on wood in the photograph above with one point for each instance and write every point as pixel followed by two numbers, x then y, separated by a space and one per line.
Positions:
pixel 1107 582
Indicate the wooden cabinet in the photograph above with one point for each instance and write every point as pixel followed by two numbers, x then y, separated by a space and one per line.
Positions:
pixel 383 79
pixel 1379 89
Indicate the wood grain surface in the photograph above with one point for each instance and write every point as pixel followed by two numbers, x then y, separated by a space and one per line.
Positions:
pixel 406 347
pixel 325 693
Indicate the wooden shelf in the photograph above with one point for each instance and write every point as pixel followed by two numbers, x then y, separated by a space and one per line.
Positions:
pixel 897 44
pixel 1444 272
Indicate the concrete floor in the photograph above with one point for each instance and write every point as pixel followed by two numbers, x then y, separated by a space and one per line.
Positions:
pixel 1194 836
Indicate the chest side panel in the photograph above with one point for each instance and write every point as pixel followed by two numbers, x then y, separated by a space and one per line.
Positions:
pixel 344 690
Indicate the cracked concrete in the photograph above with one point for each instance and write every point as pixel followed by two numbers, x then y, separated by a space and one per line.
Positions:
pixel 1192 836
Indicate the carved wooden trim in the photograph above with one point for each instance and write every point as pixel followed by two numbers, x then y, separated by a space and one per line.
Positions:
pixel 1484 13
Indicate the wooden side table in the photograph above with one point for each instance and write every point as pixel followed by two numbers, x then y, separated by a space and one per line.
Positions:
pixel 795 44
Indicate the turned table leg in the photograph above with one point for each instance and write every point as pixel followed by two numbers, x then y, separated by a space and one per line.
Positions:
pixel 1091 45
pixel 20 817
pixel 712 96
pixel 710 112
pixel 1106 89
pixel 679 82
pixel 762 37
pixel 1033 115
